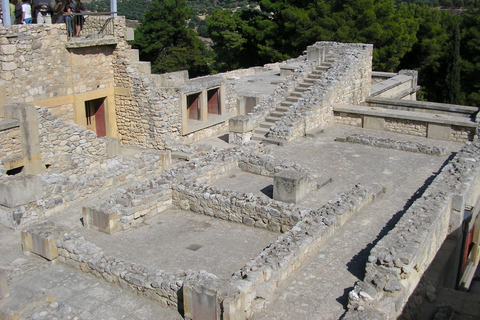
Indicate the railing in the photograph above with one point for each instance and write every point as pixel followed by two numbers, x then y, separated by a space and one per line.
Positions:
pixel 90 25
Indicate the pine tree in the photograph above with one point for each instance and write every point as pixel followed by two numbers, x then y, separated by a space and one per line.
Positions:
pixel 452 80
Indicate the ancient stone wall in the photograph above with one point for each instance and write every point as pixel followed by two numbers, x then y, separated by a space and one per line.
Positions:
pixel 10 143
pixel 347 81
pixel 153 283
pixel 67 146
pixel 398 261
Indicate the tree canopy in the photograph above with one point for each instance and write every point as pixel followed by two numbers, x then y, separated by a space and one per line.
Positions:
pixel 164 39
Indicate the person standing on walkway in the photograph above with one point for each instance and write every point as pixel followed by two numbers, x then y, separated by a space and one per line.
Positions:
pixel 43 11
pixel 68 8
pixel 26 12
pixel 79 19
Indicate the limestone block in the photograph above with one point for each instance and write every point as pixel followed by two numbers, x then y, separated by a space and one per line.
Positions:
pixel 166 159
pixel 240 124
pixel 20 189
pixel 290 186
pixel 41 239
pixel 99 220
pixel 130 36
pixel 234 308
pixel 113 147
pixel 440 132
pixel 239 138
pixel 200 302
pixel 374 123
pixel 3 285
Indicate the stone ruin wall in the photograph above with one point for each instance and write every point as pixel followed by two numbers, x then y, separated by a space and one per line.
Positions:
pixel 10 143
pixel 78 166
pixel 36 66
pixel 68 147
pixel 251 286
pixel 347 81
pixel 399 260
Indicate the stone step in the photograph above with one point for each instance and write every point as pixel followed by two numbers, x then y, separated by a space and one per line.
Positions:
pixel 144 67
pixel 286 104
pixel 257 137
pixel 282 108
pixel 311 81
pixel 266 124
pixel 314 76
pixel 296 93
pixel 278 114
pixel 301 89
pixel 261 131
pixel 272 118
pixel 321 68
pixel 292 99
pixel 133 55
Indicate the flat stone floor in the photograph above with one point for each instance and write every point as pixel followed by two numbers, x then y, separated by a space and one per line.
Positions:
pixel 163 242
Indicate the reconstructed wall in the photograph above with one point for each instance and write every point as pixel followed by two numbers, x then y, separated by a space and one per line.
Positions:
pixel 38 67
pixel 347 81
pixel 398 261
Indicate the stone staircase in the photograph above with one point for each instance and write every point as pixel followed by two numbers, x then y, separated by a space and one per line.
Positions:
pixel 260 133
pixel 144 67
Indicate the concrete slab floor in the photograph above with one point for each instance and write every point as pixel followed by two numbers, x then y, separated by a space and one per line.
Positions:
pixel 180 240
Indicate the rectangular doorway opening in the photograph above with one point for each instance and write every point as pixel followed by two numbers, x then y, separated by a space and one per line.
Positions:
pixel 213 101
pixel 193 106
pixel 95 114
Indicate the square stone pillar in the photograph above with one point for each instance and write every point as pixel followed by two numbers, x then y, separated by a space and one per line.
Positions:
pixel 241 129
pixel 290 186
pixel 42 240
pixel 20 189
pixel 96 219
pixel 113 146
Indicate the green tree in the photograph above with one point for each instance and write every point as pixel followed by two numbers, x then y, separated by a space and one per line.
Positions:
pixel 470 50
pixel 452 80
pixel 164 39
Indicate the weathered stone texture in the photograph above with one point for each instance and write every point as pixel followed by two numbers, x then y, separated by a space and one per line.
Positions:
pixel 399 260
pixel 411 127
pixel 347 81
pixel 10 143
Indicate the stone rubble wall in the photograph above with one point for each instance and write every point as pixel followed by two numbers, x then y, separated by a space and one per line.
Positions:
pixel 155 284
pixel 68 147
pixel 347 81
pixel 264 274
pixel 398 261
pixel 133 203
pixel 10 144
pixel 410 146
pixel 349 119
pixel 411 127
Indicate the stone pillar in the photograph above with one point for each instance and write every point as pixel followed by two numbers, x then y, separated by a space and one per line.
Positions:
pixel 42 240
pixel 200 302
pixel 241 129
pixel 96 219
pixel 27 115
pixel 20 189
pixel 290 186
pixel 316 53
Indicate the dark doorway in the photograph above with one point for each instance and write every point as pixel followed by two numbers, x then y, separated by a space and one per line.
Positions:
pixel 213 101
pixel 95 113
pixel 193 106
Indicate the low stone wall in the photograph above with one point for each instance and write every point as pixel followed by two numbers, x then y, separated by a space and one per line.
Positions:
pixel 129 206
pixel 410 146
pixel 152 283
pixel 280 259
pixel 411 127
pixel 346 81
pixel 398 261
